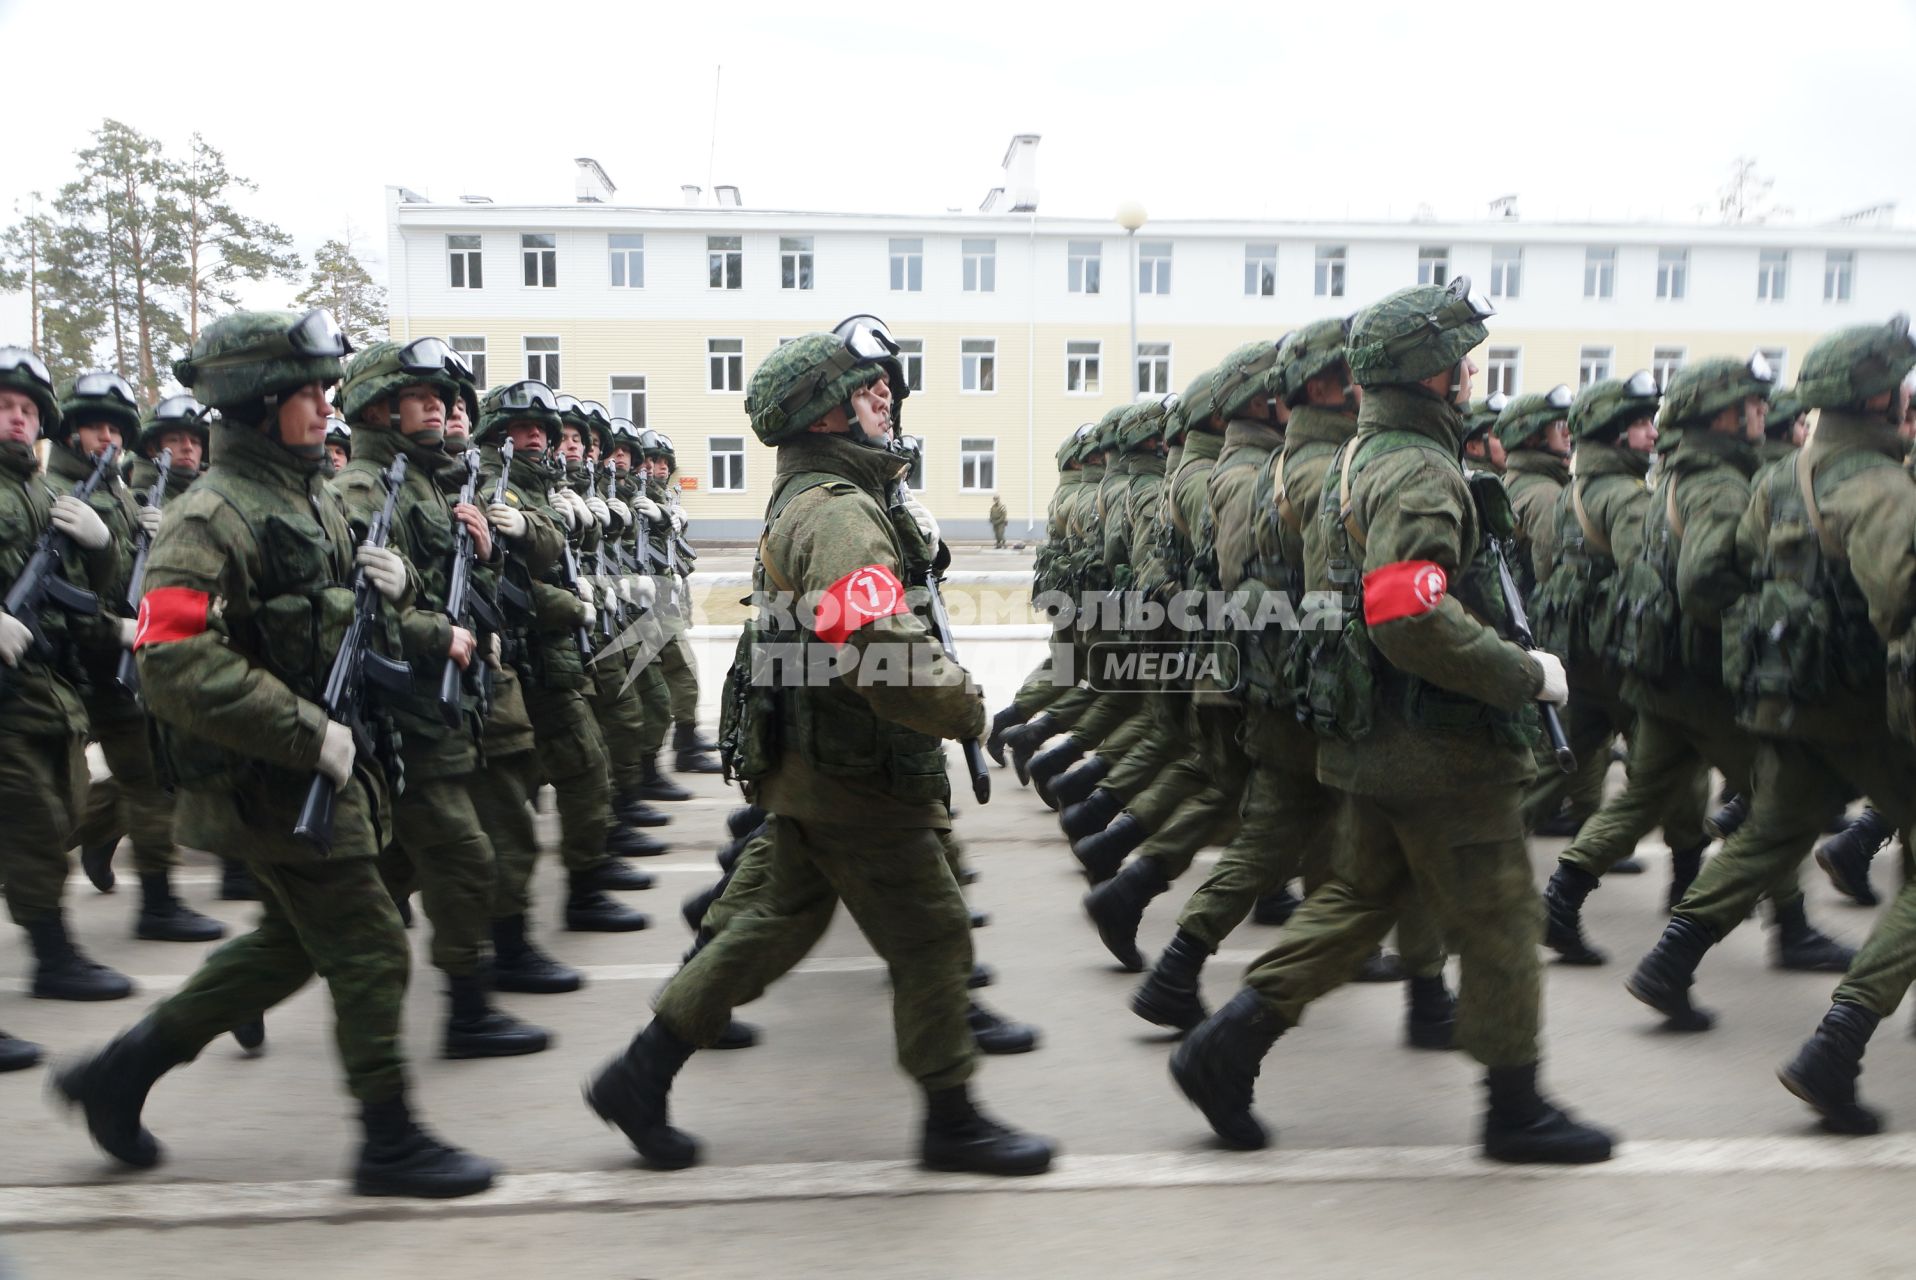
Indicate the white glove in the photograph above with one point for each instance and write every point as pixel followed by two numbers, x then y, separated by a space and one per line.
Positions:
pixel 336 753
pixel 508 520
pixel 129 627
pixel 564 511
pixel 651 510
pixel 1556 685
pixel 601 514
pixel 79 522
pixel 494 654
pixel 926 525
pixel 14 639
pixel 639 591
pixel 385 569
pixel 150 521
pixel 591 618
pixel 618 508
pixel 678 522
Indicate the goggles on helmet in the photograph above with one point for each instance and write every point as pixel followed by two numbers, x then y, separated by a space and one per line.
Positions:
pixel 12 358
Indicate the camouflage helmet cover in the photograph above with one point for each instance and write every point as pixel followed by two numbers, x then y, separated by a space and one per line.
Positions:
pixel 1851 366
pixel 23 371
pixel 242 359
pixel 1105 438
pixel 375 374
pixel 1417 333
pixel 1069 447
pixel 1529 415
pixel 1145 420
pixel 98 395
pixel 802 381
pixel 174 413
pixel 1482 415
pixel 1604 408
pixel 1696 393
pixel 1311 352
pixel 530 401
pixel 1246 374
pixel 1199 401
pixel 339 432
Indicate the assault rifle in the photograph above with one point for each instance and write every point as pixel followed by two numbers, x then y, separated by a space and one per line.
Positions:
pixel 1513 605
pixel 41 580
pixel 940 622
pixel 513 596
pixel 127 674
pixel 462 601
pixel 354 666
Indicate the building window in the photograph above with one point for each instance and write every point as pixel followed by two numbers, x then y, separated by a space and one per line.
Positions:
pixel 1599 273
pixel 1664 362
pixel 1593 365
pixel 628 398
pixel 1503 370
pixel 1673 271
pixel 1433 264
pixel 1839 274
pixel 1772 275
pixel 1779 358
pixel 794 262
pixel 1081 368
pixel 1260 270
pixel 915 474
pixel 911 354
pixel 1329 279
pixel 725 262
pixel 907 266
pixel 978 364
pixel 981 265
pixel 542 362
pixel 977 465
pixel 541 256
pixel 1154 368
pixel 728 463
pixel 1083 260
pixel 1506 271
pixel 725 364
pixel 474 350
pixel 462 253
pixel 1154 266
pixel 628 261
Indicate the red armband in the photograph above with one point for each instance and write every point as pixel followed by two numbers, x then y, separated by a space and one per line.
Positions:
pixel 170 613
pixel 861 596
pixel 1403 590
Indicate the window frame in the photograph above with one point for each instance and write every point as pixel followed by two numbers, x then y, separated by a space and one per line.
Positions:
pixel 912 360
pixel 1779 358
pixel 906 270
pixel 1137 367
pixel 965 453
pixel 797 264
pixel 714 455
pixel 1494 362
pixel 1158 265
pixel 557 365
pixel 1264 284
pixel 1506 271
pixel 479 366
pixel 465 259
pixel 1772 275
pixel 1330 271
pixel 725 258
pixel 1659 358
pixel 1438 253
pixel 1843 279
pixel 1609 365
pixel 614 391
pixel 1084 272
pixel 1089 366
pixel 1673 274
pixel 984 279
pixel 728 356
pixel 547 256
pixel 620 260
pixel 965 356
pixel 1605 279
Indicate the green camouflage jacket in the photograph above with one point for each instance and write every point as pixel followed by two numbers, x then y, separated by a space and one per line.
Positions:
pixel 1533 478
pixel 96 640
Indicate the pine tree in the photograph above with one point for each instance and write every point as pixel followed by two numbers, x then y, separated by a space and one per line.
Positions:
pixel 341 284
pixel 220 246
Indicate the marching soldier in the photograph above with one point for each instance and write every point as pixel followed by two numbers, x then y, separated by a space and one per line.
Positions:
pixel 999 519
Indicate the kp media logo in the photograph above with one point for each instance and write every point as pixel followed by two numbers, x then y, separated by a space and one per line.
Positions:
pixel 1162 666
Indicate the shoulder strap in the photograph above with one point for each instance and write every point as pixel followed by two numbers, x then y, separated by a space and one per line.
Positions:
pixel 1286 509
pixel 1591 534
pixel 1670 512
pixel 790 488
pixel 1381 442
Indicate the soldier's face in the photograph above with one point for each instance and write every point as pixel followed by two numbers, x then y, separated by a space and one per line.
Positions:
pixel 19 417
pixel 337 452
pixel 1556 439
pixel 1466 370
pixel 1756 412
pixel 185 445
pixel 302 418
pixel 872 406
pixel 1641 436
pixel 93 438
pixel 420 409
pixel 528 438
pixel 458 424
pixel 571 444
pixel 1800 429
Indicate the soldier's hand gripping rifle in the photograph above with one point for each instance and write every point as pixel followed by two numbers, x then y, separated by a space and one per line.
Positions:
pixel 1494 512
pixel 355 666
pixel 612 606
pixel 41 580
pixel 463 603
pixel 127 674
pixel 513 597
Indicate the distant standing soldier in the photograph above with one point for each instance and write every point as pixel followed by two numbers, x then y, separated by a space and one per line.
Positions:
pixel 999 517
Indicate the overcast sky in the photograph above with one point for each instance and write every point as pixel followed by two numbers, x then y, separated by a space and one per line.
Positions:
pixel 1367 108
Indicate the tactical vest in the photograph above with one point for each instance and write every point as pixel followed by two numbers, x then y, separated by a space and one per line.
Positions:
pixel 1257 658
pixel 1575 607
pixel 545 657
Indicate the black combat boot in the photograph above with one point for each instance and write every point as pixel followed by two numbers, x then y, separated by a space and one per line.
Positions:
pixel 1561 825
pixel 744 820
pixel 403 905
pixel 1048 764
pixel 236 882
pixel 1216 1067
pixel 519 965
pixel 164 918
pixel 996 1034
pixel 1001 724
pixel 632 811
pixel 1726 818
pixel 591 910
pixel 1684 866
pixel 1430 1020
pixel 691 753
pixel 1169 996
pixel 97 861
pixel 111 1088
pixel 1117 906
pixel 1521 1128
pixel 1025 740
pixel 1078 782
pixel 1662 979
pixel 631 1092
pixel 737 1035
pixel 1563 916
pixel 730 852
pixel 1630 866
pixel 693 909
pixel 959 1138
pixel 475 1029
pixel 980 919
pixel 631 842
pixel 1845 856
pixel 981 975
pixel 1381 966
pixel 1103 852
pixel 250 1034
pixel 17 1054
pixel 656 786
pixel 1801 947
pixel 613 874
pixel 1090 815
pixel 400 1157
pixel 1825 1070
pixel 64 972
pixel 1276 908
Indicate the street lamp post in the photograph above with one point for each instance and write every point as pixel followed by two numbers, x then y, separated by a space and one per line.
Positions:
pixel 1131 217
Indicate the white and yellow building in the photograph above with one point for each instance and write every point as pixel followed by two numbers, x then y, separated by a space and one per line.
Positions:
pixel 1018 325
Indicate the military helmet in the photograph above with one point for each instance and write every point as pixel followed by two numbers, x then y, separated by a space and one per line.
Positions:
pixel 242 360
pixel 1418 332
pixel 1070 447
pixel 1105 438
pixel 528 400
pixel 1143 421
pixel 1084 443
pixel 1852 365
pixel 1526 416
pixel 1311 352
pixel 1785 408
pixel 339 432
pixel 1698 392
pixel 1246 374
pixel 1199 400
pixel 621 434
pixel 384 369
pixel 656 444
pixel 1482 415
pixel 174 413
pixel 808 377
pixel 1604 408
pixel 98 395
pixel 23 371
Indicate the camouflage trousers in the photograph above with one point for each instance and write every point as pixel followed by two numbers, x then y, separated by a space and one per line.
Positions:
pixel 1591 723
pixel 440 849
pixel 571 756
pixel 898 886
pixel 655 702
pixel 332 917
pixel 1210 778
pixel 681 679
pixel 501 792
pixel 1039 691
pixel 1463 856
pixel 131 802
pixel 620 718
pixel 43 786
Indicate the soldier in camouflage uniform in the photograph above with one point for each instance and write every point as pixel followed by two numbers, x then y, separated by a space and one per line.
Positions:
pixel 1427 707
pixel 1534 431
pixel 1482 450
pixel 858 782
pixel 678 665
pixel 339 446
pixel 250 567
